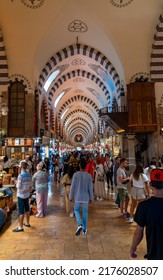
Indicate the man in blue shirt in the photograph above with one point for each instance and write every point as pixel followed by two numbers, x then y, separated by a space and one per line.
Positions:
pixel 23 185
pixel 82 192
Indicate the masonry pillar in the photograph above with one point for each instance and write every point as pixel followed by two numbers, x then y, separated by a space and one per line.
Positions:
pixel 131 151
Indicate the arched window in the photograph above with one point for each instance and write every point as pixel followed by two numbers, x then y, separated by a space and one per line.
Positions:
pixel 16 120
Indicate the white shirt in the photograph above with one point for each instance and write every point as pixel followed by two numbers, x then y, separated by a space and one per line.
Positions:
pixel 140 182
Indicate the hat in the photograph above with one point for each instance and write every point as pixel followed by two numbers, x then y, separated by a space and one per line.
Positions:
pixel 156 178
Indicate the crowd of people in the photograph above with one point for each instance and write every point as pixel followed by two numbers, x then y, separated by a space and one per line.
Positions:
pixel 86 178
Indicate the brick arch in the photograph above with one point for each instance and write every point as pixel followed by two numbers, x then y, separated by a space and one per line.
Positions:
pixel 156 65
pixel 73 130
pixel 74 112
pixel 22 80
pixel 3 62
pixel 84 50
pixel 77 125
pixel 79 119
pixel 77 73
pixel 78 98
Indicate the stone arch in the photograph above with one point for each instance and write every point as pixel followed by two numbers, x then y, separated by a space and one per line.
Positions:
pixel 79 119
pixel 79 111
pixel 78 98
pixel 77 49
pixel 76 129
pixel 22 79
pixel 77 125
pixel 77 73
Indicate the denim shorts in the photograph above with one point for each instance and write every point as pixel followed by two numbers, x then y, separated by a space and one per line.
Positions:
pixel 23 205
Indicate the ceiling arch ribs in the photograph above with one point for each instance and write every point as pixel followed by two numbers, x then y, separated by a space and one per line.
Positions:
pixel 78 119
pixel 79 49
pixel 81 111
pixel 78 98
pixel 77 125
pixel 79 130
pixel 83 74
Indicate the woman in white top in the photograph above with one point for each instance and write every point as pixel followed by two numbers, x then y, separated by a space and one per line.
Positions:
pixel 139 183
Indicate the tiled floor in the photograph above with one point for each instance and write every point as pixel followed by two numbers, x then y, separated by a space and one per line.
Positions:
pixel 52 237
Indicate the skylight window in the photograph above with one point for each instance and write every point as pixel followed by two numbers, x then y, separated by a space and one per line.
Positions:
pixel 64 113
pixel 50 80
pixel 58 98
pixel 107 79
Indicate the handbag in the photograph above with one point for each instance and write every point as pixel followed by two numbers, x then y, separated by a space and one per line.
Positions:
pixel 100 177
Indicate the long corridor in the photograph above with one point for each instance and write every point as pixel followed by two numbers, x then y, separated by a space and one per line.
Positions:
pixel 53 237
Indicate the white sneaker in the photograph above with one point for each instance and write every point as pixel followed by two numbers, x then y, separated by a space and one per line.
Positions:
pixel 84 231
pixel 101 199
pixel 97 198
pixel 79 229
pixel 131 220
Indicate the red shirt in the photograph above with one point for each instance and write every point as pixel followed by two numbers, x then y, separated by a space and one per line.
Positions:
pixel 90 168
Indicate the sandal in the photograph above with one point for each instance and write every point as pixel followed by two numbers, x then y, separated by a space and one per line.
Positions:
pixel 18 229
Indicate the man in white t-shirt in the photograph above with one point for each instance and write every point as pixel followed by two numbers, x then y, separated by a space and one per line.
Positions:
pixel 122 180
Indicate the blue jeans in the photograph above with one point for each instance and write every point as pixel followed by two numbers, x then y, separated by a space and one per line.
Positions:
pixel 84 214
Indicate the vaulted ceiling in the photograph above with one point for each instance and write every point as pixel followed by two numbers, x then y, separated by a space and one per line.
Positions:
pixel 94 47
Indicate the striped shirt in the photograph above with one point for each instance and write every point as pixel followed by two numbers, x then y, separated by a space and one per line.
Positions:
pixel 23 185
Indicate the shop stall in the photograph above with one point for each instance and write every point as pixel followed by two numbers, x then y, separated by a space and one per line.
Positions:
pixel 17 148
pixel 7 192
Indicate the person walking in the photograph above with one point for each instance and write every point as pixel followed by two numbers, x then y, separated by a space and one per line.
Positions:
pixel 23 186
pixel 116 166
pixel 40 183
pixel 82 192
pixel 149 216
pixel 139 189
pixel 99 185
pixel 66 181
pixel 90 167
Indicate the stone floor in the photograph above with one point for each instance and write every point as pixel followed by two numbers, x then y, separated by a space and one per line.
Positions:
pixel 52 237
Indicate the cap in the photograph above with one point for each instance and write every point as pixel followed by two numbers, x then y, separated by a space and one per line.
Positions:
pixel 156 177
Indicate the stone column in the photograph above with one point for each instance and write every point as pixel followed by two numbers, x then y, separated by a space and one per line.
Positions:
pixel 131 151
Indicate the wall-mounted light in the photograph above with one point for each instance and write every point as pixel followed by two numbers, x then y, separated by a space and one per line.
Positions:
pixel 3 107
pixel 161 130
